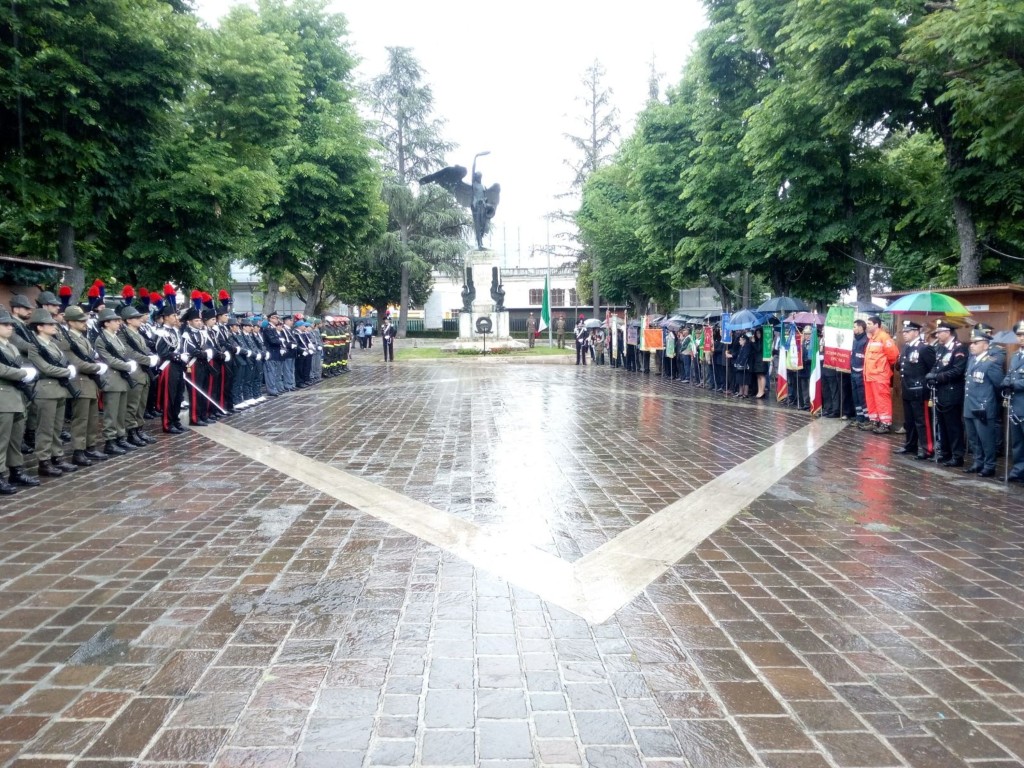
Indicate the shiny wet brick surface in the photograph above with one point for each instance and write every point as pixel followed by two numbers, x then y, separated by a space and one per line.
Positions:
pixel 186 605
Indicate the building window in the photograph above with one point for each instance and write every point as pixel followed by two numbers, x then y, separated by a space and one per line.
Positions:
pixel 572 297
pixel 537 296
pixel 558 297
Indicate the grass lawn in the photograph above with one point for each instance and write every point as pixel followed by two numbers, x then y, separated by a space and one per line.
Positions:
pixel 435 353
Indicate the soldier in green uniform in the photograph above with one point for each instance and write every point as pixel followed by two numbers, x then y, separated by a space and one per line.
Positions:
pixel 85 416
pixel 21 310
pixel 560 330
pixel 115 390
pixel 138 396
pixel 14 379
pixel 56 382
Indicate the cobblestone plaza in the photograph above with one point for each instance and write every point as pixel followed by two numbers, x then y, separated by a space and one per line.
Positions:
pixel 499 563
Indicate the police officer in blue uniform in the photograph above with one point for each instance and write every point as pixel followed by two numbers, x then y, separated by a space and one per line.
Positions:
pixel 1013 387
pixel 981 403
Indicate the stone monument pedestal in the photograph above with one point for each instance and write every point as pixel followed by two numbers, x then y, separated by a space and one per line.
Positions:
pixel 482 263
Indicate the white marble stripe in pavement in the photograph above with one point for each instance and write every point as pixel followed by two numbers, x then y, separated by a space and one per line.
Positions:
pixel 596 585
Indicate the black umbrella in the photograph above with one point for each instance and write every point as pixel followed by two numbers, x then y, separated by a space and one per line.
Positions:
pixel 783 304
pixel 592 323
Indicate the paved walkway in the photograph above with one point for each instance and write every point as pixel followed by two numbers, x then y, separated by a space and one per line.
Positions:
pixel 467 563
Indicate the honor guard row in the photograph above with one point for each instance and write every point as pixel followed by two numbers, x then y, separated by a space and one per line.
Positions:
pixel 106 372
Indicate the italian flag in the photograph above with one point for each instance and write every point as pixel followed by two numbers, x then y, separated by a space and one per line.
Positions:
pixel 782 381
pixel 815 382
pixel 545 308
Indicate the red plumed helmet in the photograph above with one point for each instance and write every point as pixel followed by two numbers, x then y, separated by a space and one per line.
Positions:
pixel 128 293
pixel 224 295
pixel 169 290
pixel 196 295
pixel 143 293
pixel 94 292
pixel 65 290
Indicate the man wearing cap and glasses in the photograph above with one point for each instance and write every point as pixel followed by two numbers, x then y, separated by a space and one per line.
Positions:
pixel 1013 385
pixel 947 377
pixel 981 403
pixel 916 361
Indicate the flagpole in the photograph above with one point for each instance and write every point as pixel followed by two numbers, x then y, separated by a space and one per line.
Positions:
pixel 547 286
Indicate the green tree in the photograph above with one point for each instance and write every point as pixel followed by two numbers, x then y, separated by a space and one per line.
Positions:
pixel 593 148
pixel 969 80
pixel 82 86
pixel 330 208
pixel 211 177
pixel 412 146
pixel 608 225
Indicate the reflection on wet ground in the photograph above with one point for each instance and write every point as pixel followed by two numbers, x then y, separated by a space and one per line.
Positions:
pixel 187 605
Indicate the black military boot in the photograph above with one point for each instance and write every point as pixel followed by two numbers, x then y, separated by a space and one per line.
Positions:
pixel 95 455
pixel 144 436
pixel 19 477
pixel 48 470
pixel 134 439
pixel 6 489
pixel 79 459
pixel 113 449
pixel 63 465
pixel 124 445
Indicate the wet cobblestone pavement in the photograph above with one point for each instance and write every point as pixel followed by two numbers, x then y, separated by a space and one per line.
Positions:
pixel 189 605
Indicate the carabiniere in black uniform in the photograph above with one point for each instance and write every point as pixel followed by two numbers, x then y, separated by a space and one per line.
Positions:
pixel 916 360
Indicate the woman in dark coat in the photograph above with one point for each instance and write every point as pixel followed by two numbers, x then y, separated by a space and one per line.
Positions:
pixel 758 367
pixel 743 365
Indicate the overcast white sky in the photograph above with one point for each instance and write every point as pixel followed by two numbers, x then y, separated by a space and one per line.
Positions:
pixel 506 77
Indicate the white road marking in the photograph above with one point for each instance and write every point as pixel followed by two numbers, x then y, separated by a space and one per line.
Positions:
pixel 598 584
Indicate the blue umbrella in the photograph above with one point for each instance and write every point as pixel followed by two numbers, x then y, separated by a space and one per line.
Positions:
pixel 744 319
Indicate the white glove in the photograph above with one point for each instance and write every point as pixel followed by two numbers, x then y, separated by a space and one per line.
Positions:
pixel 31 374
pixel 103 369
pixel 153 360
pixel 132 366
pixel 294 346
pixel 266 355
pixel 186 359
pixel 227 357
pixel 209 354
pixel 72 372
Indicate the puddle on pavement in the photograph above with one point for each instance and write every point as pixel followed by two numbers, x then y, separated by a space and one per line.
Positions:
pixel 275 521
pixel 101 648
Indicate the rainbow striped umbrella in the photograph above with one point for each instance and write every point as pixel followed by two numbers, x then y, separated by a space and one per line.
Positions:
pixel 928 302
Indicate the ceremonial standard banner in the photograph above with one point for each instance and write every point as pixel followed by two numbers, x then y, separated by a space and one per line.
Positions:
pixel 839 338
pixel 767 342
pixel 653 340
pixel 726 333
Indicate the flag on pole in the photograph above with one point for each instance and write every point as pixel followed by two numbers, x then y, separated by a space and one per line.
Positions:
pixel 815 382
pixel 782 380
pixel 545 307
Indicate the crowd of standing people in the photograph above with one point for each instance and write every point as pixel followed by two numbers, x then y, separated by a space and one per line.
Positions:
pixel 78 383
pixel 958 399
